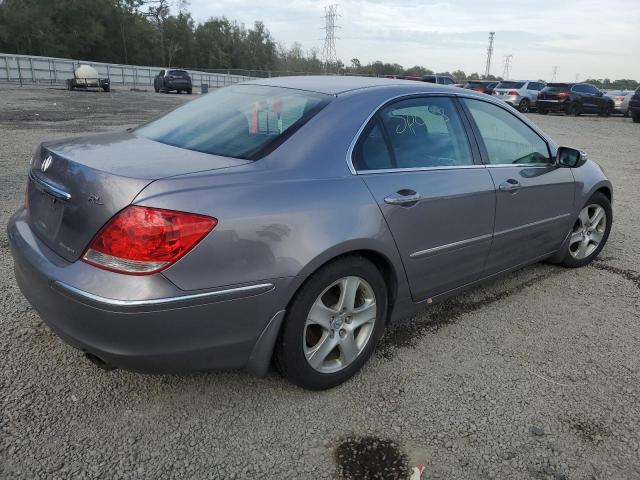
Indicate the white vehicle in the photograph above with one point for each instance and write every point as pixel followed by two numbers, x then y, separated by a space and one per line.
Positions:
pixel 521 94
pixel 85 77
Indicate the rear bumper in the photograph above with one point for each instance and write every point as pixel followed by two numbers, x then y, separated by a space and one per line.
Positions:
pixel 176 332
pixel 553 106
pixel 182 85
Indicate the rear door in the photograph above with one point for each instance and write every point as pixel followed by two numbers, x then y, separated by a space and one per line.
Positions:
pixel 534 198
pixel 416 159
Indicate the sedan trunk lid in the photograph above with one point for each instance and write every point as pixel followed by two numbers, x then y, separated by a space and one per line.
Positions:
pixel 75 186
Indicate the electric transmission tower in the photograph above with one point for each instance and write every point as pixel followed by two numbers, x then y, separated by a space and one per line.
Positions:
pixel 489 54
pixel 507 66
pixel 554 75
pixel 329 56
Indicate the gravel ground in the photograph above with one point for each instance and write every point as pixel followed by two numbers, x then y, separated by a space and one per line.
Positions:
pixel 535 375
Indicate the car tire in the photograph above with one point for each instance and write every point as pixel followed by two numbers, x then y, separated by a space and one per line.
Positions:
pixel 636 117
pixel 525 106
pixel 574 110
pixel 543 111
pixel 332 335
pixel 584 232
pixel 189 91
pixel 156 89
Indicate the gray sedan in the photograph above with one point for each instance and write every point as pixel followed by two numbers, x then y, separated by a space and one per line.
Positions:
pixel 288 220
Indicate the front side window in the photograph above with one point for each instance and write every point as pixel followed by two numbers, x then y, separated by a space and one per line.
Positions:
pixel 507 139
pixel 426 132
pixel 241 121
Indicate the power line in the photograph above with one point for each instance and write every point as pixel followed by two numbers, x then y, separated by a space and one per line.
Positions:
pixel 329 56
pixel 489 54
pixel 507 66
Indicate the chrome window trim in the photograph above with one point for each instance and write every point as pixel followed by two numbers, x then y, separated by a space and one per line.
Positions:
pixel 261 288
pixel 389 100
pixel 418 169
pixel 447 246
pixel 523 165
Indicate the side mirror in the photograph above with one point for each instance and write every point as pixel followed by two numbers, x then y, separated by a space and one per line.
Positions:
pixel 600 94
pixel 571 157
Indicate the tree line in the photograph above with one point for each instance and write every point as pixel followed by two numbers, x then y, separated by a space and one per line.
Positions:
pixel 164 33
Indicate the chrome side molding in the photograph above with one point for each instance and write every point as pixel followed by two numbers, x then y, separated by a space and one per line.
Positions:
pixel 111 302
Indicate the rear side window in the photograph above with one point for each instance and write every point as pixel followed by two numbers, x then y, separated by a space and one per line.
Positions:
pixel 241 121
pixel 507 139
pixel 422 133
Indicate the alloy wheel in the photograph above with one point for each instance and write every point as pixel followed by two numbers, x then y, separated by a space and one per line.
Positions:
pixel 588 231
pixel 339 324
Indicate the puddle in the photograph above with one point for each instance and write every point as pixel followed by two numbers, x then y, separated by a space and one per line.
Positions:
pixel 369 457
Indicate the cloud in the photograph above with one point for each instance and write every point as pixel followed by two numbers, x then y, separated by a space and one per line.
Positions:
pixel 582 37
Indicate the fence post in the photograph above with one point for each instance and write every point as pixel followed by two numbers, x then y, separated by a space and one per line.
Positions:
pixel 6 67
pixel 33 73
pixel 108 73
pixel 19 71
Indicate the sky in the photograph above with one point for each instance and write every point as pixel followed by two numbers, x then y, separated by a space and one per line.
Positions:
pixel 583 38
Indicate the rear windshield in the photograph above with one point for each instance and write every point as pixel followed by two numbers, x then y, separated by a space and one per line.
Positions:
pixel 178 73
pixel 241 121
pixel 475 84
pixel 510 85
pixel 557 87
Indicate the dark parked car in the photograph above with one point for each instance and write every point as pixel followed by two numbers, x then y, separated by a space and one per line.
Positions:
pixel 574 99
pixel 481 86
pixel 634 106
pixel 292 218
pixel 439 79
pixel 178 80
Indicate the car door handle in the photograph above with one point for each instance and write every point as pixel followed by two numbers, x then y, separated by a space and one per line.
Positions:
pixel 402 197
pixel 511 185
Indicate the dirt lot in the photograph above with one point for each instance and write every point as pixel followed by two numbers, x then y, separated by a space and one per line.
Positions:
pixel 536 375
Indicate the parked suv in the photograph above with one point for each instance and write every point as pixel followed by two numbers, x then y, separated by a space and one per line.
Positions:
pixel 522 94
pixel 574 99
pixel 481 86
pixel 634 106
pixel 178 80
pixel 439 79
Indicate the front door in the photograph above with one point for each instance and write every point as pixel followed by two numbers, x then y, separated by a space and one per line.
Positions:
pixel 534 197
pixel 417 161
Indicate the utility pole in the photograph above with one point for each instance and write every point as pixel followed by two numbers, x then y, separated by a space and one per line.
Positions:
pixel 554 71
pixel 507 66
pixel 329 56
pixel 489 54
pixel 577 77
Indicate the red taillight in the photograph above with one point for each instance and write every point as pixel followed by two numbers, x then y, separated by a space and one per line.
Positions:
pixel 513 93
pixel 563 94
pixel 479 89
pixel 143 240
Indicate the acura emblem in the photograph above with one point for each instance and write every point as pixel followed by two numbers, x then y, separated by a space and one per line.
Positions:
pixel 46 163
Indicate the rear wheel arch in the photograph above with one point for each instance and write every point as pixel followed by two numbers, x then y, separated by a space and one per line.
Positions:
pixel 381 261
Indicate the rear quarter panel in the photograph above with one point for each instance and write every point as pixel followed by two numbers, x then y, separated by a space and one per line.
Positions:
pixel 270 228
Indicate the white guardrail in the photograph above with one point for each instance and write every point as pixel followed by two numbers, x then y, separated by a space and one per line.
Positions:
pixel 31 69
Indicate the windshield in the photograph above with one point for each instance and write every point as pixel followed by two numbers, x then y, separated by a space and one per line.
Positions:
pixel 241 121
pixel 510 85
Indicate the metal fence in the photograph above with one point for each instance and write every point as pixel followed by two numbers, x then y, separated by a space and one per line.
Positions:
pixel 30 69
